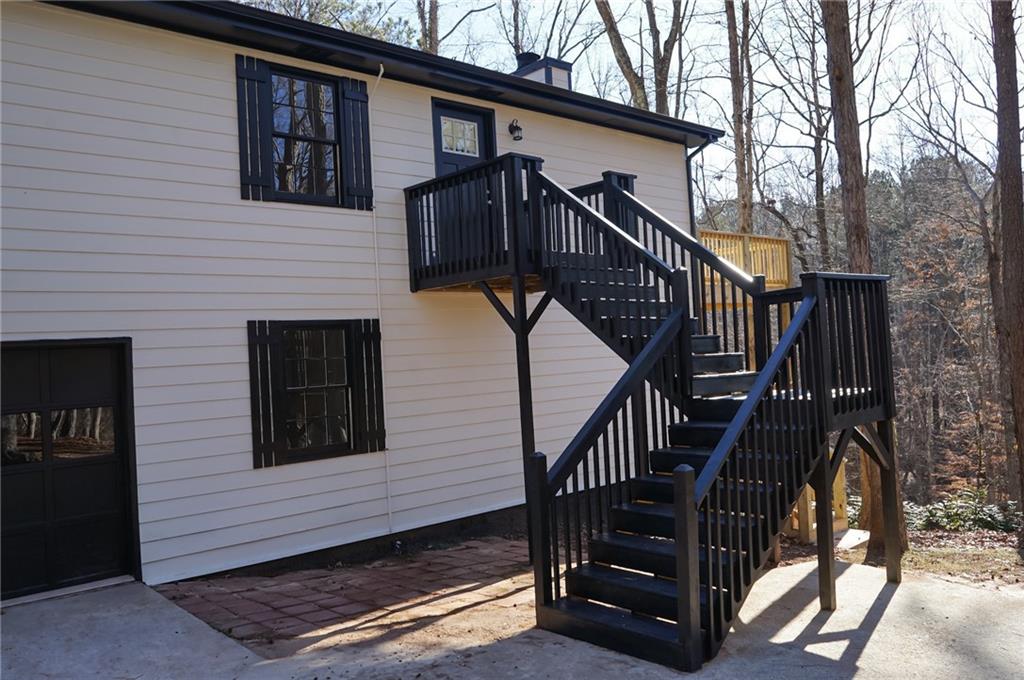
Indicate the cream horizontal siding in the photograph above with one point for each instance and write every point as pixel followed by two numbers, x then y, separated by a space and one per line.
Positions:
pixel 122 217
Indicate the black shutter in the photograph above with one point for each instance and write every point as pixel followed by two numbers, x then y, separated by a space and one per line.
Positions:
pixel 368 411
pixel 357 180
pixel 255 145
pixel 261 392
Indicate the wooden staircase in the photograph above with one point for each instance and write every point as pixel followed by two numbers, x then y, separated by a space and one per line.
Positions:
pixel 649 530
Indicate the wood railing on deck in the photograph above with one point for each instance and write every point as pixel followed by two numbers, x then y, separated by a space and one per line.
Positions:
pixel 471 225
pixel 768 256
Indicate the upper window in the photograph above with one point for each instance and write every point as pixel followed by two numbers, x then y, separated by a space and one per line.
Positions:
pixel 303 137
pixel 316 389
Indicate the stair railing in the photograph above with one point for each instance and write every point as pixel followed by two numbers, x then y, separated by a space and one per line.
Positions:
pixel 721 292
pixel 828 370
pixel 470 225
pixel 599 271
pixel 572 501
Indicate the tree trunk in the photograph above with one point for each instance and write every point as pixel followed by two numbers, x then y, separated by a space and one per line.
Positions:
pixel 820 216
pixel 744 192
pixel 836 22
pixel 426 12
pixel 1011 210
pixel 635 81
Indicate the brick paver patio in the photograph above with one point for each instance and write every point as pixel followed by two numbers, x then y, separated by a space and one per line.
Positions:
pixel 264 611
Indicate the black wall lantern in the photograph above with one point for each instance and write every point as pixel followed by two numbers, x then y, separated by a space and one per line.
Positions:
pixel 515 130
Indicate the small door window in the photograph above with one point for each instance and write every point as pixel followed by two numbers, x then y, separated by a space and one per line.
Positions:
pixel 460 136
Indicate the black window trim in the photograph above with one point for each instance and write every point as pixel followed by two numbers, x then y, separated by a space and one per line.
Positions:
pixel 366 410
pixel 353 176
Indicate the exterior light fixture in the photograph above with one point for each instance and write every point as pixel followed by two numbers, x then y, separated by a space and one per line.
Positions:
pixel 515 130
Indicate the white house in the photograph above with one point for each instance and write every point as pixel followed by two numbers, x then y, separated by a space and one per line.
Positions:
pixel 212 357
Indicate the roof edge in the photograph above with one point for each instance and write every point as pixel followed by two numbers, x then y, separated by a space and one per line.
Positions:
pixel 258 29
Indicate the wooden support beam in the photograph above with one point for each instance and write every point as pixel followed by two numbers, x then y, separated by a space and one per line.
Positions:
pixel 840 451
pixel 821 481
pixel 498 305
pixel 537 311
pixel 869 448
pixel 890 508
pixel 881 447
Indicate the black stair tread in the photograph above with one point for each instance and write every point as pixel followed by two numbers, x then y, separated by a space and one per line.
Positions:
pixel 659 546
pixel 628 579
pixel 653 509
pixel 613 617
pixel 638 592
pixel 668 458
pixel 730 374
pixel 656 545
pixel 696 432
pixel 632 590
pixel 649 554
pixel 723 383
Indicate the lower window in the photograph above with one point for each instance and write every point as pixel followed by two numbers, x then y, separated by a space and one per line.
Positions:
pixel 316 389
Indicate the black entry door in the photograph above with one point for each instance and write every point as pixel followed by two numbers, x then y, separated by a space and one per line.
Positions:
pixel 463 136
pixel 65 465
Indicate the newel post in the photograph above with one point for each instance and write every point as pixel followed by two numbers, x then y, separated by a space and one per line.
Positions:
pixel 681 301
pixel 534 213
pixel 539 526
pixel 519 223
pixel 687 567
pixel 760 322
pixel 612 210
pixel 814 286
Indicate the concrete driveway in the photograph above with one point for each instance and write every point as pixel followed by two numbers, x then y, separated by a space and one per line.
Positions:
pixel 926 628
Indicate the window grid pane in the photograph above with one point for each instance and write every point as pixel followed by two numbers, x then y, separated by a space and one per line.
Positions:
pixel 459 136
pixel 319 396
pixel 305 142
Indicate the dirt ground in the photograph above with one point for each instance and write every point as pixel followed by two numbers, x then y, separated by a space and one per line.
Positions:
pixel 978 557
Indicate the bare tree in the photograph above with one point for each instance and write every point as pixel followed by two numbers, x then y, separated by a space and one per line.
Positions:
pixel 1011 217
pixel 428 14
pixel 562 30
pixel 955 99
pixel 661 54
pixel 791 40
pixel 741 82
pixel 836 24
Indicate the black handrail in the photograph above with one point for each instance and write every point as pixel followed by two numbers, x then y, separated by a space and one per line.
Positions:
pixel 575 498
pixel 603 275
pixel 631 379
pixel 724 297
pixel 765 382
pixel 470 170
pixel 679 237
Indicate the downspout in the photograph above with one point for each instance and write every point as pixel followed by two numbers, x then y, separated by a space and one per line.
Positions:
pixel 696 278
pixel 689 182
pixel 380 304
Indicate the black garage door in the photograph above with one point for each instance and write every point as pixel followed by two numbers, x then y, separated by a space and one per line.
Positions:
pixel 67 466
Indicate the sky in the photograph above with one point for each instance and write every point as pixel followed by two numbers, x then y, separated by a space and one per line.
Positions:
pixel 479 39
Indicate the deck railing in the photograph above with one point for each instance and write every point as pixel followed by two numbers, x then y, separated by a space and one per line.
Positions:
pixel 754 253
pixel 471 225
